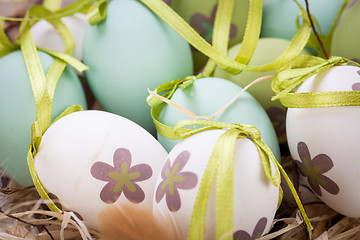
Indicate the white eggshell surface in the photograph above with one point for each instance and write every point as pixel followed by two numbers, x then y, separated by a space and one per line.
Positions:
pixel 47 37
pixel 325 141
pixel 255 198
pixel 92 159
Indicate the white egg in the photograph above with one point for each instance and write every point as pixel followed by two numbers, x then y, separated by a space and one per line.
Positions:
pixel 325 143
pixel 45 35
pixel 255 197
pixel 92 159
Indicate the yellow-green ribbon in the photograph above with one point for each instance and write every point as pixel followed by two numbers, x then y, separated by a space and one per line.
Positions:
pixel 303 67
pixel 43 86
pixel 220 36
pixel 221 165
pixel 178 24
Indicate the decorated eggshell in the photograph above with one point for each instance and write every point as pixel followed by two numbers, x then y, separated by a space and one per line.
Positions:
pixel 45 35
pixel 200 15
pixel 128 52
pixel 345 39
pixel 92 159
pixel 279 16
pixel 205 96
pixel 255 198
pixel 267 50
pixel 18 111
pixel 324 141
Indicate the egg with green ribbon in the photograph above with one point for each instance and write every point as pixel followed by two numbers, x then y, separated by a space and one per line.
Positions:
pixel 279 16
pixel 323 137
pixel 200 15
pixel 45 35
pixel 207 95
pixel 344 41
pixel 200 177
pixel 129 51
pixel 267 50
pixel 91 160
pixel 18 110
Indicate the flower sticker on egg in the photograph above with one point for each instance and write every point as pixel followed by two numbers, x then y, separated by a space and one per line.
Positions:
pixel 205 25
pixel 121 178
pixel 174 179
pixel 258 231
pixel 313 170
pixel 352 3
pixel 356 86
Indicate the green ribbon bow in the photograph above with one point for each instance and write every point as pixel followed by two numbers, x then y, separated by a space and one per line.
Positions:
pixel 221 165
pixel 303 67
pixel 43 86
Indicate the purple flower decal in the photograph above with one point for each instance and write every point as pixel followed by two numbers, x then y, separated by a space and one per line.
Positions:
pixel 205 25
pixel 258 231
pixel 168 2
pixel 352 3
pixel 278 118
pixel 174 179
pixel 313 170
pixel 121 178
pixel 356 86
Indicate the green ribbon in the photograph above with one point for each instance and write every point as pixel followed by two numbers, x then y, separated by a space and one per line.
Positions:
pixel 220 36
pixel 43 86
pixel 221 165
pixel 303 67
pixel 178 24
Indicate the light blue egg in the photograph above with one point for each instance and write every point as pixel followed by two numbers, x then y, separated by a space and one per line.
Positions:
pixel 128 52
pixel 279 16
pixel 18 112
pixel 205 96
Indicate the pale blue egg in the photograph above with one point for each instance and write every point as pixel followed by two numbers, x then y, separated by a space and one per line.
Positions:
pixel 205 96
pixel 128 52
pixel 279 16
pixel 18 110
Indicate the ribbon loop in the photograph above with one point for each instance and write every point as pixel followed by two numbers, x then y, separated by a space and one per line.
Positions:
pixel 97 12
pixel 303 67
pixel 169 89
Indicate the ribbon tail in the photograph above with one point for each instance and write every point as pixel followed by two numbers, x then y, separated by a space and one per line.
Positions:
pixel 297 200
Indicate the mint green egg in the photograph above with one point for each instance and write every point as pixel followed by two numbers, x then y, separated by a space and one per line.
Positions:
pixel 279 16
pixel 128 52
pixel 205 96
pixel 345 41
pixel 267 50
pixel 18 112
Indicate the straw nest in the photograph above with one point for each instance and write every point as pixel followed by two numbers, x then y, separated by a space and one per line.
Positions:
pixel 25 216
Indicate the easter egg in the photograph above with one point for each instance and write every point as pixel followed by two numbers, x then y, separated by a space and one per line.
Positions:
pixel 128 52
pixel 279 16
pixel 45 35
pixel 18 111
pixel 205 96
pixel 200 15
pixel 267 50
pixel 93 159
pixel 345 38
pixel 255 197
pixel 324 141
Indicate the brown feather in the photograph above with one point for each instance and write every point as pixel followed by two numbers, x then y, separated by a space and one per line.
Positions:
pixel 134 222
